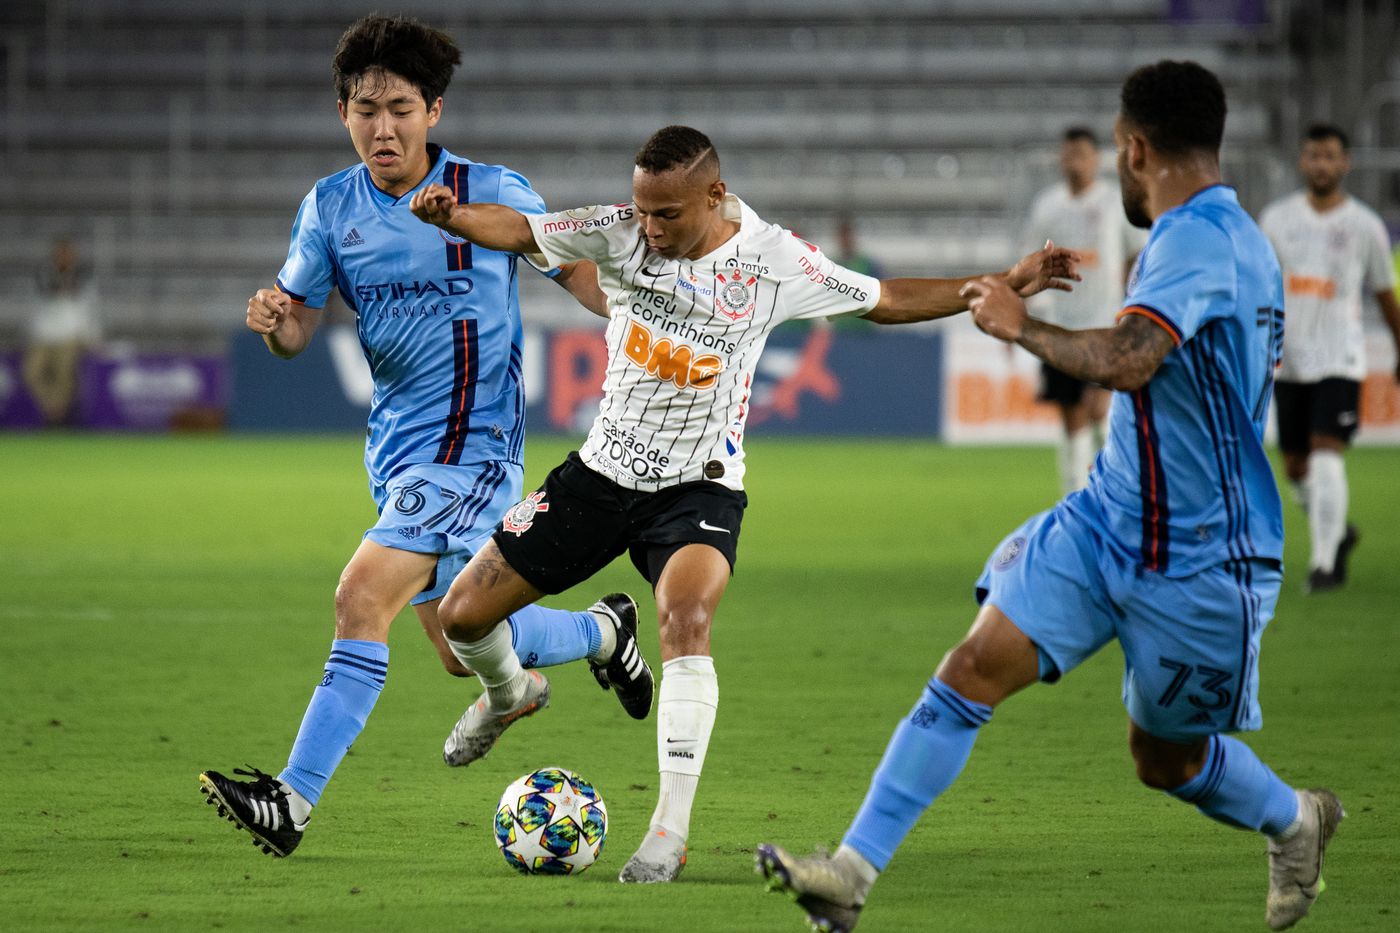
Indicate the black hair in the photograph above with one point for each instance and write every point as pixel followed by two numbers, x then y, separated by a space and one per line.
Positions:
pixel 1178 106
pixel 1076 133
pixel 423 56
pixel 673 146
pixel 1320 131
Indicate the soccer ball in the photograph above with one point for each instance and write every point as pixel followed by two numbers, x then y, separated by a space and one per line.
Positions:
pixel 551 822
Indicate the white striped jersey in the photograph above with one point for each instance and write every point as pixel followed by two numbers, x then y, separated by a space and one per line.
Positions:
pixel 685 335
pixel 1093 224
pixel 1331 263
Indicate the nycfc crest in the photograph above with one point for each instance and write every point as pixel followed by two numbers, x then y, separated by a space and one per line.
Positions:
pixel 734 294
pixel 1010 553
pixel 519 519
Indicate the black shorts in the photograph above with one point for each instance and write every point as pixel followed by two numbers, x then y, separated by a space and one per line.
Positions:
pixel 1329 407
pixel 1060 388
pixel 578 521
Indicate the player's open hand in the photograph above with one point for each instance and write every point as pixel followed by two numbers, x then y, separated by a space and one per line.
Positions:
pixel 996 309
pixel 1050 266
pixel 267 309
pixel 434 205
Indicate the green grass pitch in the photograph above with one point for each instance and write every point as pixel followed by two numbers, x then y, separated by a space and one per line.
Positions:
pixel 165 607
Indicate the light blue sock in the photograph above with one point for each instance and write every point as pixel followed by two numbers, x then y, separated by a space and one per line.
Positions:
pixel 1237 789
pixel 546 637
pixel 926 754
pixel 336 714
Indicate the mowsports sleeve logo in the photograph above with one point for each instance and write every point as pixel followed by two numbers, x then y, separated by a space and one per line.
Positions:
pixel 671 362
pixel 569 222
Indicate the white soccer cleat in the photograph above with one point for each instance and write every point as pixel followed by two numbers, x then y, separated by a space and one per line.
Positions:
pixel 1295 866
pixel 659 858
pixel 480 726
pixel 825 888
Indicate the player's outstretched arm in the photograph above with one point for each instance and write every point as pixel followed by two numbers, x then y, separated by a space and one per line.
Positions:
pixel 493 226
pixel 285 326
pixel 580 279
pixel 904 301
pixel 1121 357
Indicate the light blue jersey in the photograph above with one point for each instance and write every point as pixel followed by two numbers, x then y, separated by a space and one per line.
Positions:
pixel 1175 547
pixel 1183 482
pixel 438 318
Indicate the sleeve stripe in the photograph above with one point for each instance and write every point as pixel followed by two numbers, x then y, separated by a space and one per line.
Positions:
pixel 299 299
pixel 1157 317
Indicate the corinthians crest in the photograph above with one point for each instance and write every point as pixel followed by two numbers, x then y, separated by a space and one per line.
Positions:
pixel 734 296
pixel 522 515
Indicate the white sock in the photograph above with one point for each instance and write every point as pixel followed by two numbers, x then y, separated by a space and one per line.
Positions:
pixel 1062 463
pixel 864 872
pixel 1300 492
pixel 1075 455
pixel 607 634
pixel 493 658
pixel 1099 437
pixel 1293 827
pixel 1081 456
pixel 297 805
pixel 685 716
pixel 1327 501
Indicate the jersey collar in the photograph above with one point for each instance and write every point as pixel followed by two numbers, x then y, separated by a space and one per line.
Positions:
pixel 436 161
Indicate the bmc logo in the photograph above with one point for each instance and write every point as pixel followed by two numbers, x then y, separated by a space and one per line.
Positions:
pixel 671 362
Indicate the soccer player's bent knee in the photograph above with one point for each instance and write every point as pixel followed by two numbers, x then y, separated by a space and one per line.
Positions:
pixel 971 670
pixel 683 623
pixel 1164 770
pixel 359 612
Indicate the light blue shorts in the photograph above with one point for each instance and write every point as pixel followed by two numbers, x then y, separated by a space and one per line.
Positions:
pixel 1190 644
pixel 434 508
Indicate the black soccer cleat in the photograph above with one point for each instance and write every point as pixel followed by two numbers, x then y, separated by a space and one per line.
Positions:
pixel 258 806
pixel 628 672
pixel 1344 548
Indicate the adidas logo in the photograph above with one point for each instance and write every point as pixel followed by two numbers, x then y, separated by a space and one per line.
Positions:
pixel 352 238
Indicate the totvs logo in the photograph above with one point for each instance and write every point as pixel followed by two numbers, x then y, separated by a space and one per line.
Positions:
pixel 672 362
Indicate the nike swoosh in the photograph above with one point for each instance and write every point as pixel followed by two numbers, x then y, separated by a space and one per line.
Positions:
pixel 671 741
pixel 708 527
pixel 657 275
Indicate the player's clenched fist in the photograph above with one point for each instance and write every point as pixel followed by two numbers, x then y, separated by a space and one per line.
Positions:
pixel 434 205
pixel 996 309
pixel 267 309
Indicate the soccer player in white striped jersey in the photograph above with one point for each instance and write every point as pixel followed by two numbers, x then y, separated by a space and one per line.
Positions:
pixel 1335 254
pixel 1082 212
pixel 695 282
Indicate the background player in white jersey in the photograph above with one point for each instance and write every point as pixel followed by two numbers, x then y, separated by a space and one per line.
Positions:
pixel 440 325
pixel 1335 254
pixel 1084 214
pixel 695 282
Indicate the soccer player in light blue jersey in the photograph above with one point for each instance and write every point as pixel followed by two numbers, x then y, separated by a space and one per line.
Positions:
pixel 1175 548
pixel 439 321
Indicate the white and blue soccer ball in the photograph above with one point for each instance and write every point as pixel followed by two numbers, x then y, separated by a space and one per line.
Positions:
pixel 551 822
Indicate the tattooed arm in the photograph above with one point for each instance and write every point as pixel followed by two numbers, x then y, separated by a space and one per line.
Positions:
pixel 1122 357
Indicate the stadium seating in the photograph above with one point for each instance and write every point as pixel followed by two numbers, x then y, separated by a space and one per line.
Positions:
pixel 177 139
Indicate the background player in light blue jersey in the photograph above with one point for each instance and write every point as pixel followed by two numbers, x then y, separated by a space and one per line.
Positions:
pixel 1175 548
pixel 439 321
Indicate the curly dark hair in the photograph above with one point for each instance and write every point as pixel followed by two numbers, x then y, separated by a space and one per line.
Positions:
pixel 673 146
pixel 1179 106
pixel 373 45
